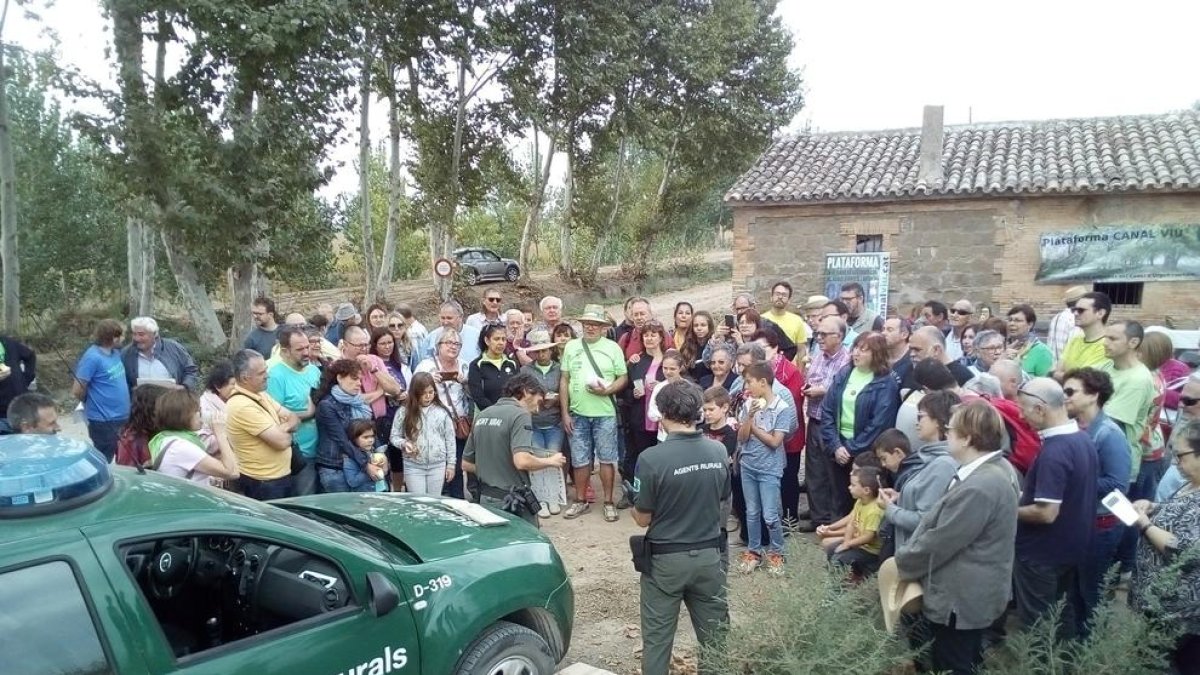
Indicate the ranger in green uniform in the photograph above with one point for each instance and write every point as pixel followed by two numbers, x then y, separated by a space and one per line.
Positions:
pixel 499 449
pixel 680 484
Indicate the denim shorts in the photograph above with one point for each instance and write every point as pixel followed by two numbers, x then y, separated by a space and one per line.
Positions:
pixel 594 438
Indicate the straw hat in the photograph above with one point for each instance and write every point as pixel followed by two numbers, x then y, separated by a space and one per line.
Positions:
pixel 815 302
pixel 897 596
pixel 538 340
pixel 1074 293
pixel 594 314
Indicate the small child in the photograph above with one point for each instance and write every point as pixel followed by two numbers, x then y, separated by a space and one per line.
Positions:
pixel 854 540
pixel 716 426
pixel 367 472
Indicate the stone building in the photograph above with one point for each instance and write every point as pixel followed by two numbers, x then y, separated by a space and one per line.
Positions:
pixel 962 210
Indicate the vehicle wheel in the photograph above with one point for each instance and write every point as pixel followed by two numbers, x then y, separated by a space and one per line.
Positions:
pixel 471 277
pixel 512 273
pixel 507 649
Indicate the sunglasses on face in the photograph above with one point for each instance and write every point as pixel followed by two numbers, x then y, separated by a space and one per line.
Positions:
pixel 493 299
pixel 395 325
pixel 961 312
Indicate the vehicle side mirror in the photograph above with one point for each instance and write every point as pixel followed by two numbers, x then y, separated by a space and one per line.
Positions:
pixel 384 596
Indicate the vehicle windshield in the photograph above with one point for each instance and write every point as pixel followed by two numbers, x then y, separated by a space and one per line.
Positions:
pixel 365 535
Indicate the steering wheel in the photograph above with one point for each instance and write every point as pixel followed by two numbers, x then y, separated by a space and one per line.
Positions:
pixel 171 565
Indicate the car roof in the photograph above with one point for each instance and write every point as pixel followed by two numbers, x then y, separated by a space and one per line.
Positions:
pixel 133 495
pixel 469 249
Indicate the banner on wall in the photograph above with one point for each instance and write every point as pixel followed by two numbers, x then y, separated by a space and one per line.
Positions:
pixel 1130 253
pixel 869 269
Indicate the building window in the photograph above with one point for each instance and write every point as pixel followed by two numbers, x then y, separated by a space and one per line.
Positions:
pixel 1123 293
pixel 868 243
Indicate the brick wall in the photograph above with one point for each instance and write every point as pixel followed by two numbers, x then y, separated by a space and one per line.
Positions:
pixel 982 249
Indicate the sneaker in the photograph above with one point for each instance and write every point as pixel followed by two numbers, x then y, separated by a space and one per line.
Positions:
pixel 576 509
pixel 544 512
pixel 749 562
pixel 624 503
pixel 775 564
pixel 590 495
pixel 555 508
pixel 610 512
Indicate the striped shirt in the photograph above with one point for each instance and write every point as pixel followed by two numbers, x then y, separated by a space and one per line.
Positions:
pixel 820 374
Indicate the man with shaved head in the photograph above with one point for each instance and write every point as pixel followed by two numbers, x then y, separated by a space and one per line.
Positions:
pixel 928 342
pixel 1057 511
pixel 960 317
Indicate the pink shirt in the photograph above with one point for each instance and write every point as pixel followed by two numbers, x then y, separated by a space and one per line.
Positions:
pixel 370 383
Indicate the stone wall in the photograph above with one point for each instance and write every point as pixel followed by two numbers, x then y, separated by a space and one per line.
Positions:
pixel 982 249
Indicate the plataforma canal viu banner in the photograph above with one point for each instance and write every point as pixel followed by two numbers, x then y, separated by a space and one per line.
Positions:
pixel 1129 253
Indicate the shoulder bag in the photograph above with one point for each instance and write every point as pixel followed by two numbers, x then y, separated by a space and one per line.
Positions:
pixel 462 425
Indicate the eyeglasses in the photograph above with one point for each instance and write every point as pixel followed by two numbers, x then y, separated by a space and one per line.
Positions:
pixel 1180 455
pixel 395 325
pixel 822 334
pixel 1024 392
pixel 1188 401
pixel 961 312
pixel 992 348
pixel 849 298
pixel 359 345
pixel 451 343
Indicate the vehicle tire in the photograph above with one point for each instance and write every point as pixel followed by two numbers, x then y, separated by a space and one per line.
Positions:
pixel 512 273
pixel 507 649
pixel 471 276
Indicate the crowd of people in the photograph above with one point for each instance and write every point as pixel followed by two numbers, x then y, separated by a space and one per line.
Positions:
pixel 959 448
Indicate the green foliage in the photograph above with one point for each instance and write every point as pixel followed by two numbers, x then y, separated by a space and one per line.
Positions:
pixel 72 231
pixel 412 252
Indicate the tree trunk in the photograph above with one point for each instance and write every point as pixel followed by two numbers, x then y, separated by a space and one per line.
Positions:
pixel 245 284
pixel 204 317
pixel 565 250
pixel 445 285
pixel 645 242
pixel 533 219
pixel 11 276
pixel 383 281
pixel 133 262
pixel 147 264
pixel 364 172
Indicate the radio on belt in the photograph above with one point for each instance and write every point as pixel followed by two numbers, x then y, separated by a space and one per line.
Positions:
pixel 42 474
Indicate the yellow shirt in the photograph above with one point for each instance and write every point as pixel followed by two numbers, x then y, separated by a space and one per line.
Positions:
pixel 1080 353
pixel 792 325
pixel 867 518
pixel 249 415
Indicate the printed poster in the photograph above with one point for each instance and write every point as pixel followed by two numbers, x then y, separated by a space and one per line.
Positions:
pixel 1116 254
pixel 869 269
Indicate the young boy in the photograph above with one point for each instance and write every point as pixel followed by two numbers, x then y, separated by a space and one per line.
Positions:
pixel 761 462
pixel 716 426
pixel 854 540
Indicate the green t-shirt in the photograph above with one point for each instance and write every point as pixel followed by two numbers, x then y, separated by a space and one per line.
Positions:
pixel 682 481
pixel 858 380
pixel 1130 406
pixel 1080 353
pixel 1038 360
pixel 578 368
pixel 498 433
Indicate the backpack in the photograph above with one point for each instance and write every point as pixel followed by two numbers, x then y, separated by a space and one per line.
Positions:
pixel 1024 439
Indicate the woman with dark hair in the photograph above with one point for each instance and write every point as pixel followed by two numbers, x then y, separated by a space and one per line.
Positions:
pixel 920 477
pixel 488 373
pixel 682 331
pixel 693 348
pixel 376 317
pixel 177 449
pixel 133 443
pixel 861 402
pixel 751 322
pixel 423 431
pixel 218 387
pixel 562 334
pixel 339 402
pixel 645 372
pixel 383 345
pixel 968 344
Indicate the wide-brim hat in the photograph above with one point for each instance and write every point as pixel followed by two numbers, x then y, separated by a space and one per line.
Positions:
pixel 814 302
pixel 895 596
pixel 345 312
pixel 538 340
pixel 594 314
pixel 1074 293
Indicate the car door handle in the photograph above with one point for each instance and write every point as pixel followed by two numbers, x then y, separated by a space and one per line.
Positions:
pixel 324 579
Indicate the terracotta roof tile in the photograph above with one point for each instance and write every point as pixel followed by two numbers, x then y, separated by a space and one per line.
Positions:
pixel 1075 156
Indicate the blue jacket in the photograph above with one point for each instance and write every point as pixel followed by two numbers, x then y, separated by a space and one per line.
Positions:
pixel 874 410
pixel 1112 450
pixel 333 441
pixel 172 354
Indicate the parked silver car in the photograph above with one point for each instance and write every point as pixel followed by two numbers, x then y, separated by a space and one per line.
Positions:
pixel 482 264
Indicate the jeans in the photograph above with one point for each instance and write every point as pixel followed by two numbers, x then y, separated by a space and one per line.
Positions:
pixel 594 438
pixel 424 479
pixel 306 480
pixel 332 480
pixel 762 501
pixel 818 476
pixel 862 562
pixel 1091 573
pixel 263 490
pixel 104 436
pixel 550 438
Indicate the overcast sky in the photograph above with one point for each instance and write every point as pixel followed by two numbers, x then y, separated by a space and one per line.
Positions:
pixel 873 65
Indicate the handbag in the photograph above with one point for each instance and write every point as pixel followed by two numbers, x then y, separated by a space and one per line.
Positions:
pixel 297 464
pixel 462 425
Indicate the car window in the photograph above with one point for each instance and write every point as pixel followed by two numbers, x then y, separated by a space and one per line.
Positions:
pixel 206 591
pixel 489 256
pixel 46 627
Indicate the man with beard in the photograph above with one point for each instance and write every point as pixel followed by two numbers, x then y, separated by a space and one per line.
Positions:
pixel 291 382
pixel 790 324
pixel 861 319
pixel 263 337
pixel 896 332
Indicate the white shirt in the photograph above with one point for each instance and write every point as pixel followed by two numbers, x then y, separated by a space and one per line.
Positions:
pixel 1061 430
pixel 967 469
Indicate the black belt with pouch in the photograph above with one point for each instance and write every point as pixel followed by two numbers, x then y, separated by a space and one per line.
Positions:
pixel 517 500
pixel 643 549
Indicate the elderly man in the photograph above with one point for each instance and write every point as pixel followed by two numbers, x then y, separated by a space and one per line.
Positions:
pixel 812 316
pixel 150 357
pixel 1062 325
pixel 450 315
pixel 490 311
pixel 838 310
pixel 31 413
pixel 640 314
pixel 377 380
pixel 1057 511
pixel 829 361
pixel 514 336
pixel 260 431
pixel 1011 377
pixel 928 342
pixel 861 318
pixel 550 309
pixel 291 383
pixel 741 303
pixel 960 317
pixel 344 316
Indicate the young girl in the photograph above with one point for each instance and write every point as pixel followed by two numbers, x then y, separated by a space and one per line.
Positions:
pixel 672 368
pixel 424 431
pixel 367 472
pixel 853 541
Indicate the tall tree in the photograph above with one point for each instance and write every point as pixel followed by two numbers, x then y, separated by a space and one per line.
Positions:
pixel 9 257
